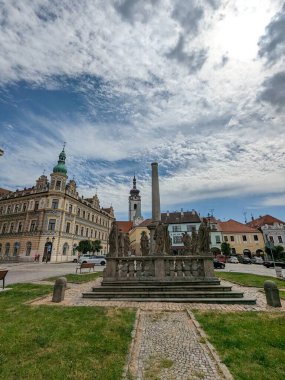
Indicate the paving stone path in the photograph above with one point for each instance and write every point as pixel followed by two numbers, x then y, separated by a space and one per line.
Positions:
pixel 168 346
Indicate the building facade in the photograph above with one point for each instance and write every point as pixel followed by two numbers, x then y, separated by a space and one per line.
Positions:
pixel 273 229
pixel 243 240
pixel 178 223
pixel 50 218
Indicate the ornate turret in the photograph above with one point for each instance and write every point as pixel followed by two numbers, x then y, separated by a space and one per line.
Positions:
pixel 59 173
pixel 60 167
pixel 134 190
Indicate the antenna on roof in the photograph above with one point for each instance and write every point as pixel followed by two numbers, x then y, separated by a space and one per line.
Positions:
pixel 212 212
pixel 64 143
pixel 244 214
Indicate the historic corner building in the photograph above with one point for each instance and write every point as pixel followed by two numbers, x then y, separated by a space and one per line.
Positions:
pixel 50 219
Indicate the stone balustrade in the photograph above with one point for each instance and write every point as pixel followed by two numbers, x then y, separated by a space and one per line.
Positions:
pixel 159 268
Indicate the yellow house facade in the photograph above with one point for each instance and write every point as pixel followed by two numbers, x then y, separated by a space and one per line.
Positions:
pixel 243 239
pixel 135 236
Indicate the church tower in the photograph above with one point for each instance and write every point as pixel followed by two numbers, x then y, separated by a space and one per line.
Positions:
pixel 135 204
pixel 59 174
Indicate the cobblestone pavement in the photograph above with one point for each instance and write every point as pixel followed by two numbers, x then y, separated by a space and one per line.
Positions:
pixel 168 346
pixel 73 297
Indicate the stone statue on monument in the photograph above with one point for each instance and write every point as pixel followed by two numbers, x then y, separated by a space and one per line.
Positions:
pixel 204 239
pixel 186 240
pixel 127 244
pixel 113 240
pixel 121 244
pixel 167 241
pixel 144 244
pixel 159 239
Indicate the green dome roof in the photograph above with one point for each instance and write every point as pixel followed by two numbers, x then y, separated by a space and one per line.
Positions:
pixel 60 167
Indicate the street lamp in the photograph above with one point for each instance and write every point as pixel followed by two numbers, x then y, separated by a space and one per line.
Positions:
pixel 269 244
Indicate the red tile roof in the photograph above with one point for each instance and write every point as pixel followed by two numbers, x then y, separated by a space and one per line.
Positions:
pixel 262 220
pixel 4 191
pixel 235 227
pixel 145 223
pixel 124 226
pixel 180 217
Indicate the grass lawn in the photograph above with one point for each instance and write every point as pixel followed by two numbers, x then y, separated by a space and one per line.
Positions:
pixel 251 344
pixel 282 294
pixel 78 278
pixel 247 279
pixel 54 342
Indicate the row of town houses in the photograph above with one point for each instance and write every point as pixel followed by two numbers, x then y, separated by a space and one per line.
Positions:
pixel 50 218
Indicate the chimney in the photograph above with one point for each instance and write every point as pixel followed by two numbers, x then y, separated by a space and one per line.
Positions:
pixel 182 213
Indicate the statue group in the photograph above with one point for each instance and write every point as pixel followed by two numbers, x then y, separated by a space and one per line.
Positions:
pixel 197 243
pixel 119 243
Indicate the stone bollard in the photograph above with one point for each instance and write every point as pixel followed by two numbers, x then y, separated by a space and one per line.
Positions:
pixel 272 294
pixel 59 289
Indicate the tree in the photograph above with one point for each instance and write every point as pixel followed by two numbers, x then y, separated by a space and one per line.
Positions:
pixel 277 251
pixel 96 246
pixel 226 249
pixel 84 246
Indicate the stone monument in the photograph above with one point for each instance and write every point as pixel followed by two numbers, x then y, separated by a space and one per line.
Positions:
pixel 158 275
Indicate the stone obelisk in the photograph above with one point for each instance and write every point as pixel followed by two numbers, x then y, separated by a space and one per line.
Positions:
pixel 156 216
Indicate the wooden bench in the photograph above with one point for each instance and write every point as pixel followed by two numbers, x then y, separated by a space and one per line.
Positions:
pixel 3 273
pixel 85 266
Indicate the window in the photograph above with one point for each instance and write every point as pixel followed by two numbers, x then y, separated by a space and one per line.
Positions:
pixel 91 233
pixel 92 218
pixel 280 239
pixel 226 238
pixel 16 249
pixel 58 185
pixel 20 227
pixel 78 211
pixel 218 239
pixel 88 216
pixel 189 228
pixel 99 234
pixel 68 227
pixel 9 209
pixel 24 207
pixel 76 229
pixel 7 249
pixel 17 207
pixel 4 228
pixel 70 209
pixel 95 234
pixel 176 228
pixel 87 232
pixel 54 203
pixel 135 206
pixel 83 214
pixel 51 224
pixel 271 239
pixel 232 238
pixel 28 248
pixel 0 249
pixel 11 228
pixel 65 249
pixel 36 206
pixel 33 225
pixel 244 238
pixel 177 239
pixel 193 229
pixel 255 237
pixel 82 231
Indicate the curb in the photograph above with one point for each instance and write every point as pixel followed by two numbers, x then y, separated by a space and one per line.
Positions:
pixel 127 368
pixel 221 366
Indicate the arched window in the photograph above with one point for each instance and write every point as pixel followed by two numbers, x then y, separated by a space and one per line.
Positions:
pixel 7 249
pixel 65 249
pixel 16 248
pixel 4 228
pixel 28 248
pixel 11 227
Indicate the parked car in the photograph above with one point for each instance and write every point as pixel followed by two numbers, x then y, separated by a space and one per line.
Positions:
pixel 246 260
pixel 233 260
pixel 270 264
pixel 257 260
pixel 218 264
pixel 97 260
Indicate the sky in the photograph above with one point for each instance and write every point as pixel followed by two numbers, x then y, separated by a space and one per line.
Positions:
pixel 197 86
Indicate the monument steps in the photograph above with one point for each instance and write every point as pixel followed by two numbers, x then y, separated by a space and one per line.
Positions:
pixel 162 294
pixel 150 288
pixel 156 283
